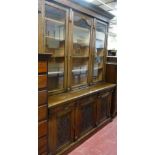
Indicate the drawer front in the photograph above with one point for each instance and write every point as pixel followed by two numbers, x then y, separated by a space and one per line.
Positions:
pixel 42 97
pixel 42 145
pixel 42 81
pixel 42 112
pixel 86 100
pixel 66 107
pixel 42 66
pixel 42 129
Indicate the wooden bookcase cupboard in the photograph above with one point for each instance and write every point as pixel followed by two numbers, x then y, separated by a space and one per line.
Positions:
pixel 73 45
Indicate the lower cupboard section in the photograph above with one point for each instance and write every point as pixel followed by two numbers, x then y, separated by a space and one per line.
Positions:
pixel 72 121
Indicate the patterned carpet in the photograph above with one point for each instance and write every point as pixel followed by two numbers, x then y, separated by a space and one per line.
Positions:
pixel 104 142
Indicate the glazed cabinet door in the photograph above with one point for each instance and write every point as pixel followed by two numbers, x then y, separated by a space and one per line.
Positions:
pixel 99 52
pixel 55 39
pixel 85 115
pixel 61 127
pixel 80 50
pixel 103 107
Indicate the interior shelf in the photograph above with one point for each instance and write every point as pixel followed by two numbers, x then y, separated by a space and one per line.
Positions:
pixel 81 28
pixel 57 39
pixel 80 56
pixel 55 72
pixel 55 21
pixel 80 70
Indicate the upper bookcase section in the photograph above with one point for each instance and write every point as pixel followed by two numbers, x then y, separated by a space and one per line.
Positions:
pixel 87 8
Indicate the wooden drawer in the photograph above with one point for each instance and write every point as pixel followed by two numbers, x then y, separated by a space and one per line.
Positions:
pixel 42 129
pixel 42 66
pixel 42 112
pixel 42 81
pixel 42 97
pixel 42 145
pixel 62 107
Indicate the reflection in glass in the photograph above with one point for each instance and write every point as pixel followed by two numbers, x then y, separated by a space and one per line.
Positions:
pixel 80 53
pixel 55 31
pixel 81 35
pixel 79 71
pixel 55 73
pixel 99 52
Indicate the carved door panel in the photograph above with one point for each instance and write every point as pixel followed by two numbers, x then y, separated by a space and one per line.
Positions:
pixel 103 107
pixel 85 116
pixel 61 127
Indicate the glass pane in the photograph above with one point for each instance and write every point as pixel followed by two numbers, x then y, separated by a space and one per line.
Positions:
pixel 55 31
pixel 79 71
pixel 56 74
pixel 99 52
pixel 80 53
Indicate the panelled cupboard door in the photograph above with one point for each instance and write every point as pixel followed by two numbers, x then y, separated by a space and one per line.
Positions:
pixel 55 39
pixel 103 107
pixel 85 115
pixel 61 127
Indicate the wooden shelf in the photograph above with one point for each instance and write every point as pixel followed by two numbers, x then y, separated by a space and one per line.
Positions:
pixel 55 21
pixel 79 70
pixel 57 56
pixel 82 44
pixel 98 68
pixel 80 56
pixel 82 28
pixel 100 56
pixel 52 37
pixel 55 72
pixel 52 55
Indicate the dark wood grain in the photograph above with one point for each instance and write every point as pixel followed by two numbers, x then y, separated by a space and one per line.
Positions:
pixel 42 97
pixel 44 153
pixel 42 105
pixel 70 122
pixel 72 96
pixel 42 66
pixel 61 127
pixel 42 112
pixel 64 120
pixel 103 107
pixel 42 81
pixel 111 73
pixel 42 145
pixel 42 128
pixel 111 76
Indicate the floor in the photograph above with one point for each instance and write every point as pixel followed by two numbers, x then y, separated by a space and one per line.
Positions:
pixel 104 142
